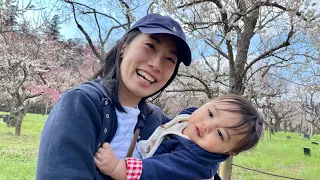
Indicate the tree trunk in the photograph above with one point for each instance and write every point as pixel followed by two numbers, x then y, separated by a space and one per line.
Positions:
pixel 43 109
pixel 301 122
pixel 237 66
pixel 285 126
pixel 26 108
pixel 311 129
pixel 47 107
pixel 270 131
pixel 277 126
pixel 19 122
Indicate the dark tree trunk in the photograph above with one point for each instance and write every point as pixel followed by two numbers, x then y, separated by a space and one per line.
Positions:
pixel 19 117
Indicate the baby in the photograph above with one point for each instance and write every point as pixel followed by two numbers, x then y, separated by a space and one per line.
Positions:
pixel 226 125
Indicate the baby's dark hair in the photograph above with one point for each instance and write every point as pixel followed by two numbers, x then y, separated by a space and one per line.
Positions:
pixel 250 124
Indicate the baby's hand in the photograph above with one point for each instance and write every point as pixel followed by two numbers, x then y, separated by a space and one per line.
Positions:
pixel 105 159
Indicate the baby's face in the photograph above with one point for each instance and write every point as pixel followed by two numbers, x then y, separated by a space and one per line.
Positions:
pixel 206 127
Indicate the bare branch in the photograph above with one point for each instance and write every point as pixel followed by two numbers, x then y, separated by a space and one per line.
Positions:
pixel 210 42
pixel 127 12
pixel 298 13
pixel 190 4
pixel 272 50
pixel 33 96
pixel 25 75
pixel 207 63
pixel 288 80
pixel 187 90
pixel 94 50
pixel 267 68
pixel 42 78
pixel 150 5
pixel 207 88
pixel 109 33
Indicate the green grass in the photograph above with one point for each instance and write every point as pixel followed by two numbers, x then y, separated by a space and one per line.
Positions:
pixel 18 155
pixel 281 156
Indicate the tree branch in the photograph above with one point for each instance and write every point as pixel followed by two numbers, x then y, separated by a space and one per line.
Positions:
pixel 94 50
pixel 207 89
pixel 298 13
pixel 190 4
pixel 210 42
pixel 270 51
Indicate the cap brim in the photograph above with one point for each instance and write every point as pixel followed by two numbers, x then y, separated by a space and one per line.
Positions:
pixel 184 52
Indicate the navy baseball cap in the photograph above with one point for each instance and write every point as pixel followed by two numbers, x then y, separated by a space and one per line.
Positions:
pixel 158 24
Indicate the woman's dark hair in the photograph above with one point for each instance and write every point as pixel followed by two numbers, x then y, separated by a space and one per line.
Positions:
pixel 250 124
pixel 111 76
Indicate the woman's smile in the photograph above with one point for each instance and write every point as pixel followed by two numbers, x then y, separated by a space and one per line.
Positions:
pixel 145 77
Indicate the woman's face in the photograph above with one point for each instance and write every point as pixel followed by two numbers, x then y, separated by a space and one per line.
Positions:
pixel 148 63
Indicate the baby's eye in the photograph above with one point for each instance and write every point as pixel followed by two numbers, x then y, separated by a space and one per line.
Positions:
pixel 210 113
pixel 220 133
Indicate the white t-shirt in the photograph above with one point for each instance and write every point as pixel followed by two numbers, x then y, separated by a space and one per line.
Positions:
pixel 124 135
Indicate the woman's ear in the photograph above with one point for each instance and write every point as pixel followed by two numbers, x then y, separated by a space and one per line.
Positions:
pixel 124 46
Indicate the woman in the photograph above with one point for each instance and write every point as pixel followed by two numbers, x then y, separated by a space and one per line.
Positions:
pixel 143 63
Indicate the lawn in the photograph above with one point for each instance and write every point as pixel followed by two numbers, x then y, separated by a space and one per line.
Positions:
pixel 279 155
pixel 18 155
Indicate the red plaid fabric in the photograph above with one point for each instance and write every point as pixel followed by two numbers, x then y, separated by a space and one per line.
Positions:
pixel 134 168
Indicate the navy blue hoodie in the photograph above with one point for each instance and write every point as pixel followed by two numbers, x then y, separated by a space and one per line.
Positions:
pixel 82 120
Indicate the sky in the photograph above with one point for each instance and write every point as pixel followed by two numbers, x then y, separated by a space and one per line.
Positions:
pixel 45 10
pixel 70 30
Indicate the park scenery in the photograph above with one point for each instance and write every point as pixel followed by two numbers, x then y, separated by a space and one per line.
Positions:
pixel 276 157
pixel 267 51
